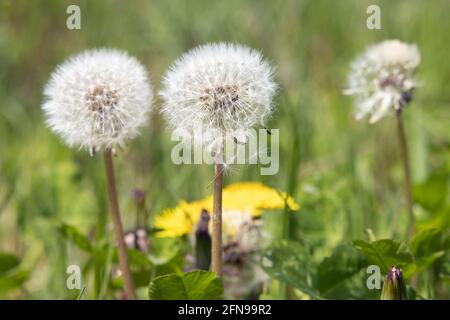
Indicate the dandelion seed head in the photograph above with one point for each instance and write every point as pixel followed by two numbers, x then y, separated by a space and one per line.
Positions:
pixel 381 79
pixel 97 99
pixel 218 88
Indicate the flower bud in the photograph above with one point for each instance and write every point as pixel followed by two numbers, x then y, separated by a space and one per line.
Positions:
pixel 203 242
pixel 394 287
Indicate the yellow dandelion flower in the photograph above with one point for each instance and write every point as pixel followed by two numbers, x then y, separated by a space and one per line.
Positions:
pixel 246 197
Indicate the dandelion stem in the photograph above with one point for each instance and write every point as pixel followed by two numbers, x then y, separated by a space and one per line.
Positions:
pixel 406 173
pixel 123 255
pixel 217 221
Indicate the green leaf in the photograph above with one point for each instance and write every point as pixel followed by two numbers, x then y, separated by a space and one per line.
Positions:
pixel 421 264
pixel 431 193
pixel 167 256
pixel 345 262
pixel 195 285
pixel 353 287
pixel 141 269
pixel 76 237
pixel 140 279
pixel 7 262
pixel 428 246
pixel 385 253
pixel 445 272
pixel 13 281
pixel 429 241
pixel 138 259
pixel 290 262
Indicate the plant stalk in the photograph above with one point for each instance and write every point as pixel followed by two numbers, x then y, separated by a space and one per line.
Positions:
pixel 118 228
pixel 216 254
pixel 406 173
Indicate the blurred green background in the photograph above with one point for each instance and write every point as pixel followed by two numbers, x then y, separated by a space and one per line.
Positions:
pixel 345 174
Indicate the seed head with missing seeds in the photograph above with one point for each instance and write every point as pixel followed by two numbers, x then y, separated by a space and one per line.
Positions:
pixel 381 79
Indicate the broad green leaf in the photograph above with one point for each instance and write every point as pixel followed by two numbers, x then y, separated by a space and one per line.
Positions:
pixel 353 287
pixel 138 259
pixel 385 253
pixel 13 281
pixel 141 279
pixel 168 287
pixel 429 241
pixel 165 249
pixel 431 193
pixel 345 262
pixel 289 262
pixel 7 262
pixel 172 266
pixel 421 264
pixel 76 237
pixel 167 256
pixel 195 285
pixel 445 272
pixel 141 268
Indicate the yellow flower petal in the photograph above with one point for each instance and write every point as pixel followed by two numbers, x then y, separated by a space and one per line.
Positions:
pixel 248 197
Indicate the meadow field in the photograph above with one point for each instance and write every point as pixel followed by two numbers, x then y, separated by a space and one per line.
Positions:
pixel 346 209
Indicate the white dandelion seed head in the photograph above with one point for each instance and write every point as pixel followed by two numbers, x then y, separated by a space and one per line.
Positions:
pixel 382 79
pixel 218 88
pixel 98 99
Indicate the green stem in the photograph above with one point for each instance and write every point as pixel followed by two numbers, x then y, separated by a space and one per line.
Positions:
pixel 118 228
pixel 216 254
pixel 406 173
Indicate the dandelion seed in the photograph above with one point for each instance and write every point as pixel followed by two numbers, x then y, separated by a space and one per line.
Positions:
pixel 381 79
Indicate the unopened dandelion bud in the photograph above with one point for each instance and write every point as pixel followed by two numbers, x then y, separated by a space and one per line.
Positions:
pixel 203 242
pixel 394 287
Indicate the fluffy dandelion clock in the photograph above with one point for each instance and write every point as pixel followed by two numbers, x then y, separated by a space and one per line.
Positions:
pixel 382 79
pixel 218 88
pixel 98 99
pixel 212 93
